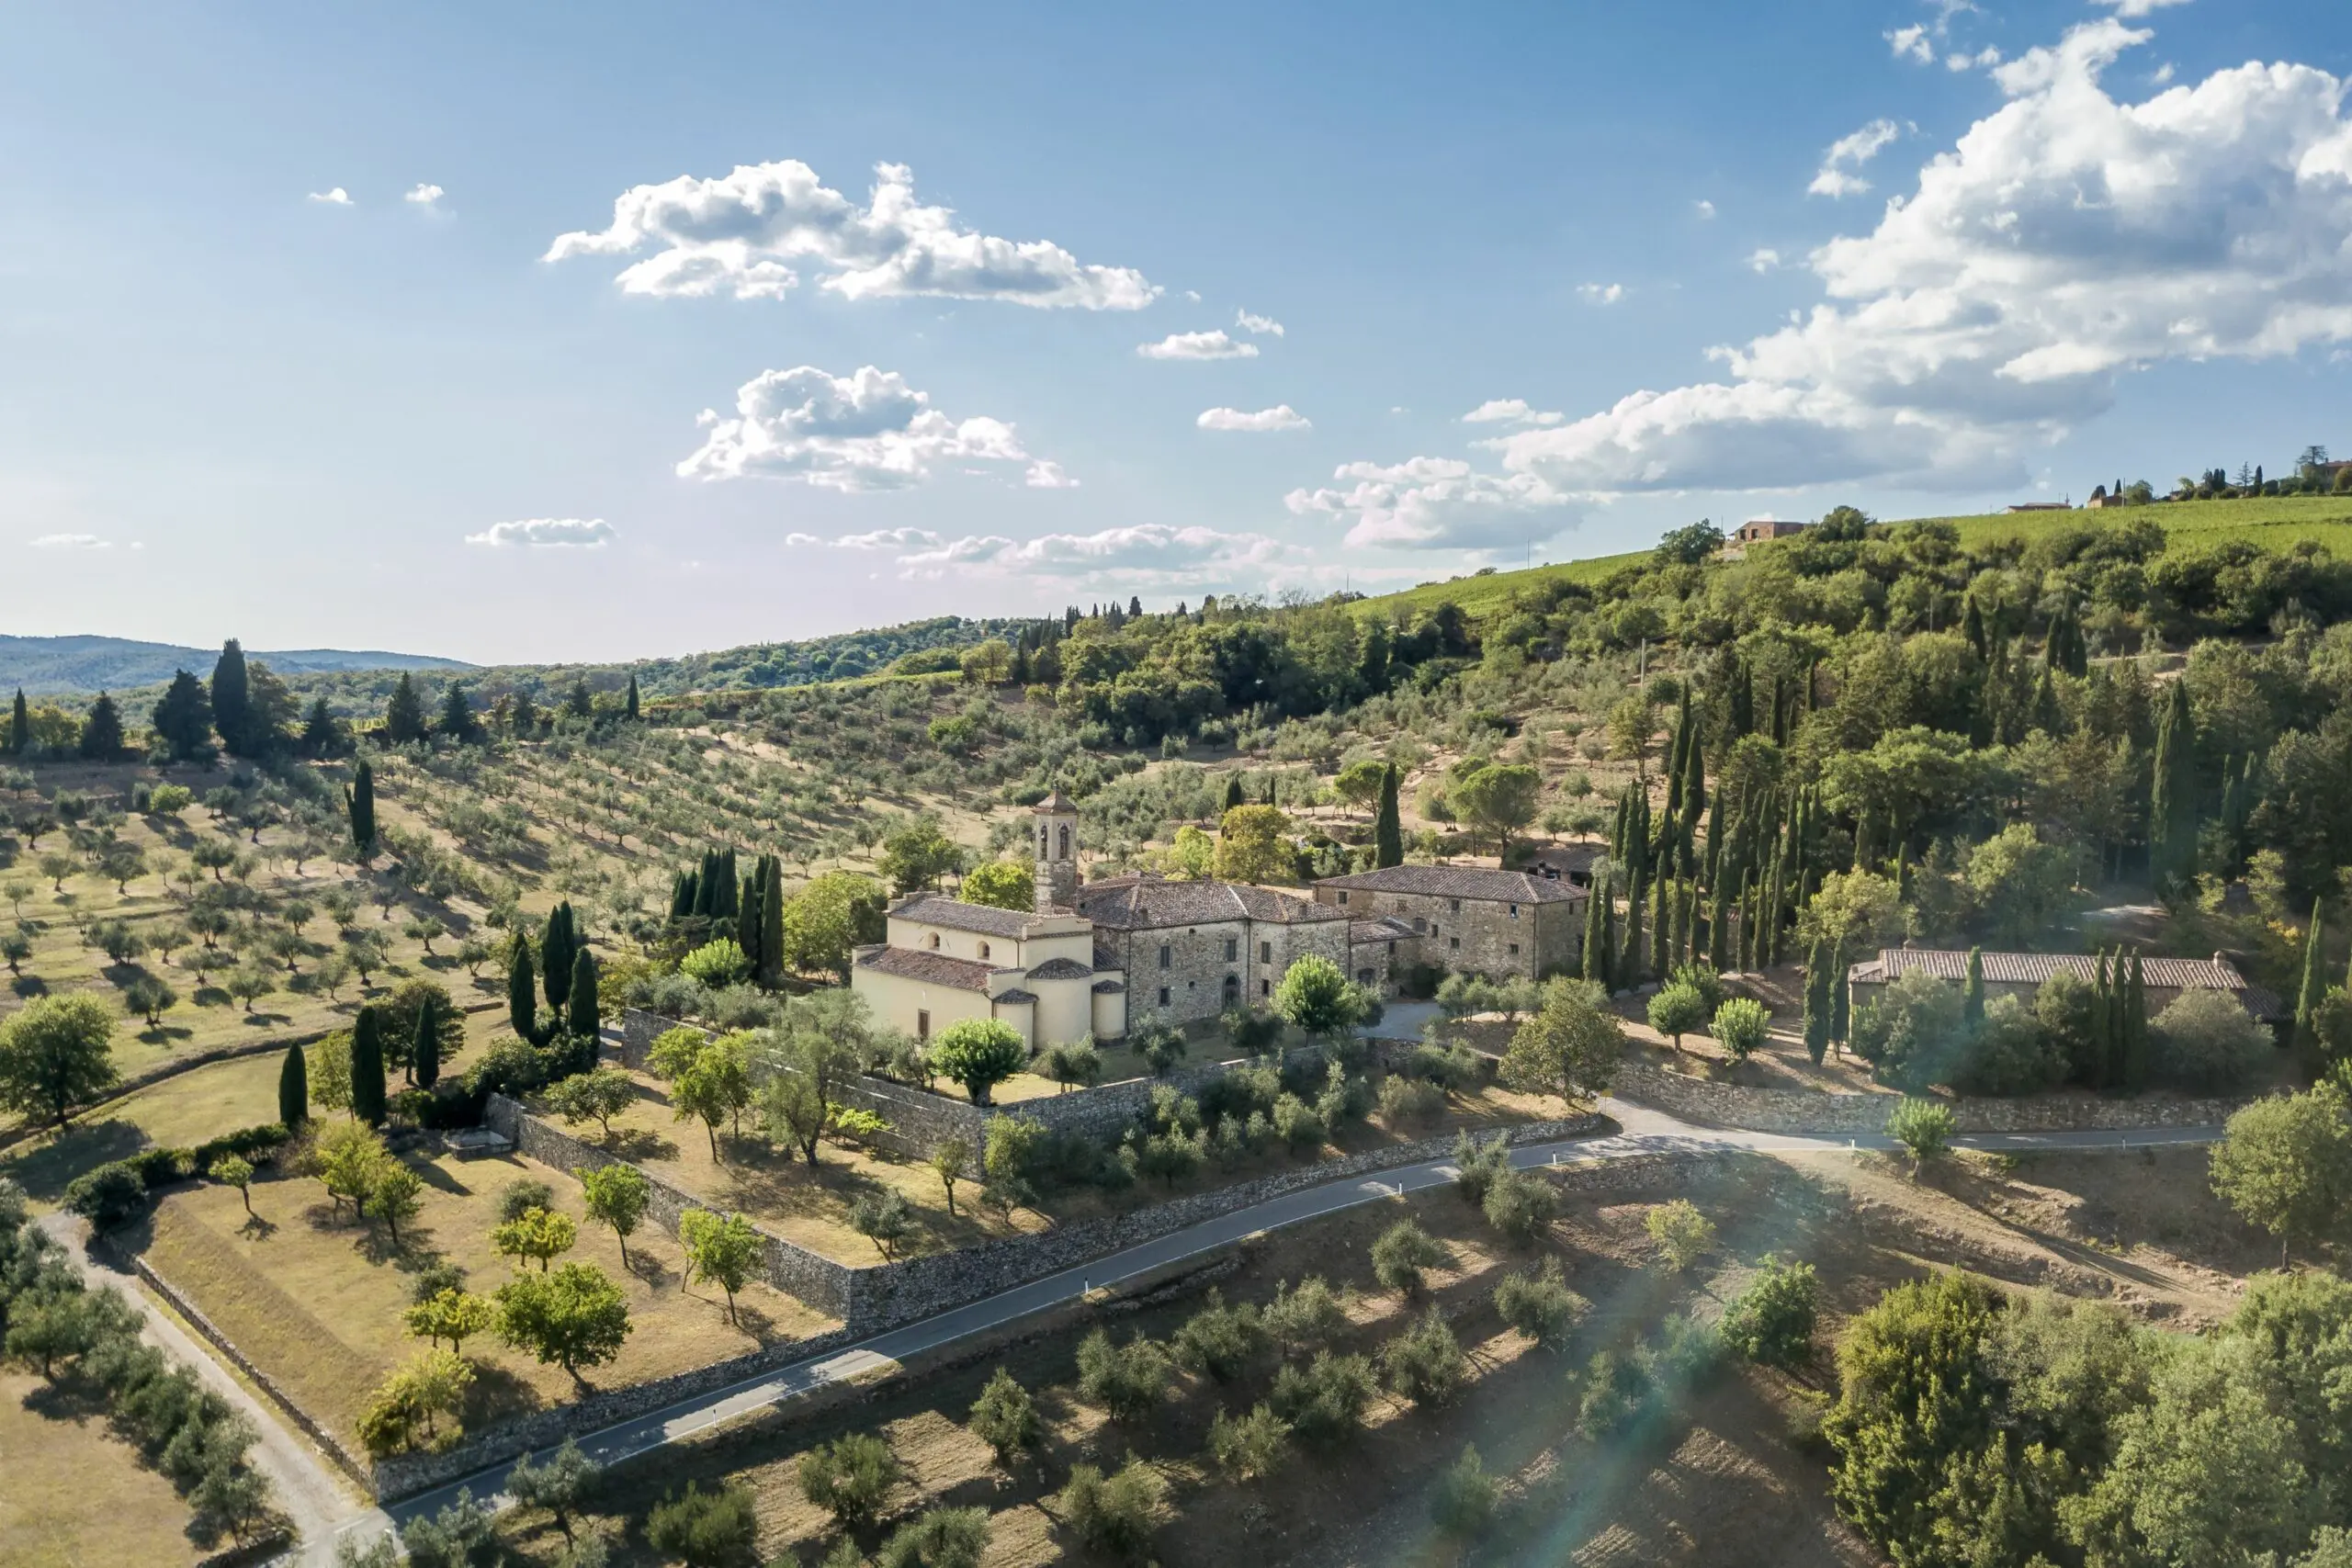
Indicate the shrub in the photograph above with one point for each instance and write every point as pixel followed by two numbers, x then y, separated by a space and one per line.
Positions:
pixel 707 1530
pixel 1219 1341
pixel 1683 1235
pixel 938 1537
pixel 1115 1514
pixel 1616 1387
pixel 1771 1321
pixel 1912 1032
pixel 886 1221
pixel 1251 1447
pixel 1475 1165
pixel 716 965
pixel 1464 1502
pixel 1923 1126
pixel 1677 1009
pixel 1324 1401
pixel 1298 1124
pixel 109 1195
pixel 509 1066
pixel 849 1476
pixel 1400 1255
pixel 1404 1099
pixel 1307 1317
pixel 462 1535
pixel 1741 1026
pixel 1425 1363
pixel 979 1054
pixel 2011 1052
pixel 1540 1305
pixel 1005 1417
pixel 1456 1069
pixel 561 1484
pixel 1128 1381
pixel 1520 1206
pixel 2205 1041
pixel 1073 1062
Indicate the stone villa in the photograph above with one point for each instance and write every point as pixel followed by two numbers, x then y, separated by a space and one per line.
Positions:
pixel 2021 973
pixel 1475 918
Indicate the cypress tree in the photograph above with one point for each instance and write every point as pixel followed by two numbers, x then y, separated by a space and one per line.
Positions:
pixel 1609 976
pixel 233 703
pixel 707 886
pixel 368 1068
pixel 1661 949
pixel 20 727
pixel 522 991
pixel 102 731
pixel 1719 927
pixel 1972 625
pixel 424 1051
pixel 2102 1014
pixel 556 948
pixel 1816 1000
pixel 1593 963
pixel 771 954
pixel 682 895
pixel 403 715
pixel 457 713
pixel 632 696
pixel 747 916
pixel 1629 972
pixel 359 805
pixel 1768 941
pixel 1694 798
pixel 1841 998
pixel 583 1011
pixel 2172 816
pixel 1233 797
pixel 1972 999
pixel 182 719
pixel 1372 668
pixel 1715 839
pixel 726 891
pixel 293 1089
pixel 2314 986
pixel 1388 829
pixel 578 702
pixel 2135 1029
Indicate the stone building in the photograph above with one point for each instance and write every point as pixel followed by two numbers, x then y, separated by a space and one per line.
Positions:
pixel 1192 949
pixel 943 961
pixel 2021 974
pixel 1470 918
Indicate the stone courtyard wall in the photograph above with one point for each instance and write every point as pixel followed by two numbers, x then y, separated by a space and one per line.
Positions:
pixel 1801 1110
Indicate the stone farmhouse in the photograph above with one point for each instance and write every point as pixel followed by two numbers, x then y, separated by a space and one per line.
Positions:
pixel 1471 918
pixel 2021 973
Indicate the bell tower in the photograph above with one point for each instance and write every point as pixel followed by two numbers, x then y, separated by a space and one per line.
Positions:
pixel 1056 819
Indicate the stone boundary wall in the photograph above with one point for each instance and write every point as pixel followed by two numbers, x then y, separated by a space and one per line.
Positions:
pixel 352 1464
pixel 262 1548
pixel 1800 1110
pixel 921 1120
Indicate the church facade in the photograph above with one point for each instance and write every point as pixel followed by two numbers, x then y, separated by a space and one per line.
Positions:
pixel 1093 960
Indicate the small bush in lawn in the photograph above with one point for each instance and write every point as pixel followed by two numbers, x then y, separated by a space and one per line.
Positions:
pixel 1251 1447
pixel 1771 1321
pixel 1475 1165
pixel 1307 1316
pixel 1425 1363
pixel 1923 1126
pixel 1406 1100
pixel 1683 1235
pixel 939 1537
pixel 1325 1401
pixel 1616 1387
pixel 1464 1504
pixel 1114 1515
pixel 1522 1205
pixel 849 1476
pixel 1128 1381
pixel 1219 1341
pixel 1005 1417
pixel 517 1199
pixel 707 1530
pixel 1741 1026
pixel 1540 1305
pixel 1400 1255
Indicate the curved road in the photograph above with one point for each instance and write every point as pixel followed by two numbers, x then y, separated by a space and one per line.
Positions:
pixel 1643 1132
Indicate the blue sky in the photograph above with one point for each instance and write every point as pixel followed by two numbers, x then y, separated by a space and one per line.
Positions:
pixel 230 407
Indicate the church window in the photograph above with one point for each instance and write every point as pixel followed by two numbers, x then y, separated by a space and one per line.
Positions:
pixel 984 950
pixel 1065 842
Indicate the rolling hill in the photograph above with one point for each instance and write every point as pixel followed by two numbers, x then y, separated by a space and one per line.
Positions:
pixel 56 666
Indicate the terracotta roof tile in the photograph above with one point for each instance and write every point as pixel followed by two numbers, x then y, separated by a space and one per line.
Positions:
pixel 1060 969
pixel 1135 903
pixel 930 968
pixel 1460 882
pixel 2034 968
pixel 956 914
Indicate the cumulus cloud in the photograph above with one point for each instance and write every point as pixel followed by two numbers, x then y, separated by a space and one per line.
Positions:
pixel 1911 43
pixel 867 431
pixel 337 197
pixel 424 194
pixel 2137 8
pixel 71 542
pixel 2068 238
pixel 1213 345
pixel 1763 260
pixel 1601 293
pixel 1703 208
pixel 546 533
pixel 1510 411
pixel 1281 416
pixel 750 233
pixel 1263 325
pixel 1838 176
pixel 1148 554
pixel 1435 504
pixel 1047 474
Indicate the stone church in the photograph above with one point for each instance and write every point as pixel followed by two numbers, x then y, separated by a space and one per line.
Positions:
pixel 1095 959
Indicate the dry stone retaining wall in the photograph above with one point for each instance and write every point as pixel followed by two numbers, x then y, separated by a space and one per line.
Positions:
pixel 1799 1111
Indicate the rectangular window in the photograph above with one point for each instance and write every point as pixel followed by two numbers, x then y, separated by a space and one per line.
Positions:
pixel 1265 987
pixel 1164 956
pixel 1232 949
pixel 1364 977
pixel 1265 953
pixel 1453 944
pixel 1163 995
pixel 1454 907
pixel 1514 950
pixel 1343 897
pixel 923 1025
pixel 1514 912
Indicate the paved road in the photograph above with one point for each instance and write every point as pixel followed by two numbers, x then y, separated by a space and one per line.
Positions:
pixel 1644 1132
pixel 313 1492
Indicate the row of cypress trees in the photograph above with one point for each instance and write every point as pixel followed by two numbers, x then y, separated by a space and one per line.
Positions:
pixel 370 1094
pixel 749 908
pixel 567 973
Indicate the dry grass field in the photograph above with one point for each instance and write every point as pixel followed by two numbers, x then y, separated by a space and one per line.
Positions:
pixel 76 1495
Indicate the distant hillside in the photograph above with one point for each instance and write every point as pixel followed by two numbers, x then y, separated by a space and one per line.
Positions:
pixel 59 666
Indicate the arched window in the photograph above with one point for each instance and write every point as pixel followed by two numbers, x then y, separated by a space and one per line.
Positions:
pixel 984 950
pixel 1045 842
pixel 1065 838
pixel 934 940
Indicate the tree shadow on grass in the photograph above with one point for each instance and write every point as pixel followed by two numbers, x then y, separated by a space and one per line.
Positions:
pixel 164 1033
pixel 211 996
pixel 44 1172
pixel 651 1270
pixel 498 1393
pixel 29 986
pixel 265 1020
pixel 640 1144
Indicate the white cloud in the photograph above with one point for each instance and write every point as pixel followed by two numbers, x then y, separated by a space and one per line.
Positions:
pixel 1047 474
pixel 746 233
pixel 71 542
pixel 1435 504
pixel 867 431
pixel 424 194
pixel 1838 176
pixel 1763 260
pixel 1510 411
pixel 1703 208
pixel 1281 416
pixel 1983 60
pixel 548 532
pixel 1146 554
pixel 1259 324
pixel 1213 345
pixel 337 197
pixel 1911 43
pixel 1601 293
pixel 2067 239
pixel 2137 8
